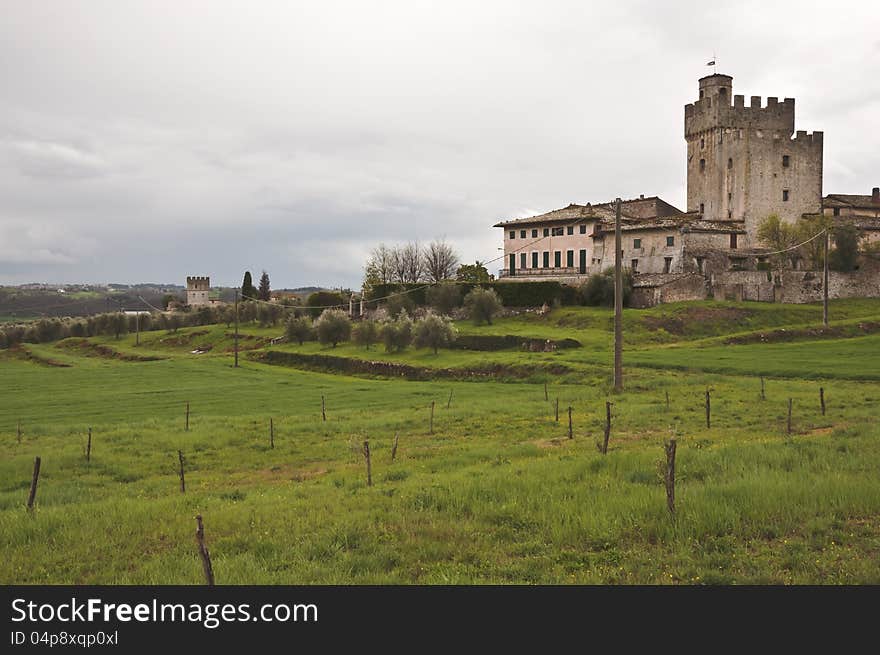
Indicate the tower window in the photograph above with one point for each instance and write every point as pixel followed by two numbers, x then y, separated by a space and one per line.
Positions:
pixel 670 241
pixel 785 195
pixel 701 207
pixel 733 241
pixel 785 161
pixel 729 197
pixel 702 165
pixel 701 93
pixel 702 143
pixel 729 163
pixel 722 91
pixel 637 243
pixel 729 214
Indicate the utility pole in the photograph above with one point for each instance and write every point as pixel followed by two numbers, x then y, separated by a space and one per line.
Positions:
pixel 618 303
pixel 137 327
pixel 825 283
pixel 236 328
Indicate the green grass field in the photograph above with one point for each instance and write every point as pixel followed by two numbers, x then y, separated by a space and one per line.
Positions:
pixel 497 494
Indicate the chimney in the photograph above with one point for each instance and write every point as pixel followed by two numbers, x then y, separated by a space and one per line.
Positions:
pixel 641 196
pixel 875 195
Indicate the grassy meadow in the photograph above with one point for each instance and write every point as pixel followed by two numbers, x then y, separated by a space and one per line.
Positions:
pixel 497 493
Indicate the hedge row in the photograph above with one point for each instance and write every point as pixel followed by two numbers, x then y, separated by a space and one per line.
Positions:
pixel 512 294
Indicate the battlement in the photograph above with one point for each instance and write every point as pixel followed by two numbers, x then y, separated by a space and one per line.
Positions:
pixel 197 283
pixel 809 139
pixel 714 112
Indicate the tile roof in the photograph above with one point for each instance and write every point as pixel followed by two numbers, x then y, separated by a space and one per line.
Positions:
pixel 849 200
pixel 634 209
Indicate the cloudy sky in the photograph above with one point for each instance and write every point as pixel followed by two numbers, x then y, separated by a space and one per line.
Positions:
pixel 145 141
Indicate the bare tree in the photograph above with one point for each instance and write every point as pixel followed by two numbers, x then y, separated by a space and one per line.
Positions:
pixel 398 265
pixel 381 263
pixel 439 261
pixel 411 263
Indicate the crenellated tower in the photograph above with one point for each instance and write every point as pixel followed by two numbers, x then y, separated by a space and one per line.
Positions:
pixel 742 162
pixel 197 290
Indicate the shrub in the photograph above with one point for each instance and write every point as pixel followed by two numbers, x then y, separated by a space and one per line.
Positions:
pixel 433 332
pixel 846 248
pixel 321 299
pixel 397 334
pixel 482 305
pixel 333 326
pixel 365 333
pixel 300 329
pixel 444 297
pixel 400 303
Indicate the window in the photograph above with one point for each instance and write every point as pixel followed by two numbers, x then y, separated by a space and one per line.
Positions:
pixel 635 266
pixel 513 234
pixel 702 206
pixel 546 259
pixel 522 260
pixel 733 241
pixel 522 235
pixel 785 195
pixel 583 229
pixel 557 259
pixel 569 258
pixel 836 211
pixel 729 163
pixel 702 143
pixel 700 264
pixel 558 231
pixel 667 264
pixel 637 243
pixel 534 233
pixel 702 165
pixel 729 197
pixel 722 92
pixel 670 241
pixel 534 260
pixel 701 93
pixel 785 161
pixel 546 231
pixel 570 229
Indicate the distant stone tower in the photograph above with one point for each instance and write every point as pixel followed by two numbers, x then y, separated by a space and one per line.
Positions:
pixel 197 289
pixel 742 164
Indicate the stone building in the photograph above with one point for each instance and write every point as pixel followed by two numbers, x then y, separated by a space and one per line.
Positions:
pixel 197 291
pixel 744 163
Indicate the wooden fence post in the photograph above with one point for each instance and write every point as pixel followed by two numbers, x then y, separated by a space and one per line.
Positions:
pixel 431 424
pixel 546 397
pixel 670 476
pixel 180 472
pixel 708 410
pixel 557 409
pixel 788 426
pixel 203 552
pixel 822 399
pixel 271 432
pixel 32 496
pixel 762 387
pixel 394 447
pixel 323 412
pixel 369 469
pixel 607 427
pixel 570 433
pixel 19 430
pixel 449 402
pixel 667 401
pixel 89 446
pixel 187 416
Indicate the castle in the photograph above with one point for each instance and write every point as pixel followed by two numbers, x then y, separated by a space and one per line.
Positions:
pixel 197 290
pixel 744 163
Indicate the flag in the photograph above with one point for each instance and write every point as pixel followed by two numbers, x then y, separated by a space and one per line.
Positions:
pixel 711 63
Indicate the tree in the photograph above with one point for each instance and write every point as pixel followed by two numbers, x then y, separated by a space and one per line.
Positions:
pixel 300 329
pixel 320 300
pixel 380 266
pixel 845 255
pixel 444 297
pixel 247 287
pixel 439 261
pixel 433 332
pixel 333 326
pixel 482 304
pixel 400 302
pixel 264 292
pixel 777 235
pixel 409 263
pixel 365 333
pixel 474 273
pixel 598 290
pixel 807 228
pixel 397 334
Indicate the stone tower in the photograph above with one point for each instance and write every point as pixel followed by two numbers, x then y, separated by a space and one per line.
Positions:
pixel 197 289
pixel 742 162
